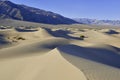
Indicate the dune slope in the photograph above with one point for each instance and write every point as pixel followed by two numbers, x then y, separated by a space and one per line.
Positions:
pixel 97 63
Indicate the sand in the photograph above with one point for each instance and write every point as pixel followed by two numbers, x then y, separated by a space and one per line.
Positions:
pixel 60 54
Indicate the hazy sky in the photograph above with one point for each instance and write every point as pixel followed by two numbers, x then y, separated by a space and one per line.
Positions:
pixel 97 9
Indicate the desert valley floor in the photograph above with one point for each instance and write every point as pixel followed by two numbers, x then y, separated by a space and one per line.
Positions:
pixel 60 54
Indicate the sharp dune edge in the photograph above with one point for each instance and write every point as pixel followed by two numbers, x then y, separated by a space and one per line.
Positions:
pixel 60 54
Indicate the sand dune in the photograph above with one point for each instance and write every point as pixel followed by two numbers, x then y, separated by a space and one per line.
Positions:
pixel 104 54
pixel 32 48
pixel 100 38
pixel 94 65
pixel 13 36
pixel 59 54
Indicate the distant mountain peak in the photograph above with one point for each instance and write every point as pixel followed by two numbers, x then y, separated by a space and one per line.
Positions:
pixel 97 22
pixel 10 10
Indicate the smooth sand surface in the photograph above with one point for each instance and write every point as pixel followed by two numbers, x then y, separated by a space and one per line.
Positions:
pixel 60 54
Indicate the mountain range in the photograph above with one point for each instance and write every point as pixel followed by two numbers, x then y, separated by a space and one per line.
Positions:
pixel 97 22
pixel 10 10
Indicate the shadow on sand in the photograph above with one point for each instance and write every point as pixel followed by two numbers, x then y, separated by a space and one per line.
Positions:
pixel 25 30
pixel 3 41
pixel 112 32
pixel 63 34
pixel 99 55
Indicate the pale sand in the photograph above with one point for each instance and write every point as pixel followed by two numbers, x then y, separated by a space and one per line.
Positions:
pixel 60 54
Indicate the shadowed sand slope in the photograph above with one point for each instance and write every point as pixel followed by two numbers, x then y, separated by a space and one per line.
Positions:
pixel 104 54
pixel 97 62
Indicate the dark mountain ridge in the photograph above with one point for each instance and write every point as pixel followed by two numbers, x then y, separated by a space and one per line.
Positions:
pixel 9 10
